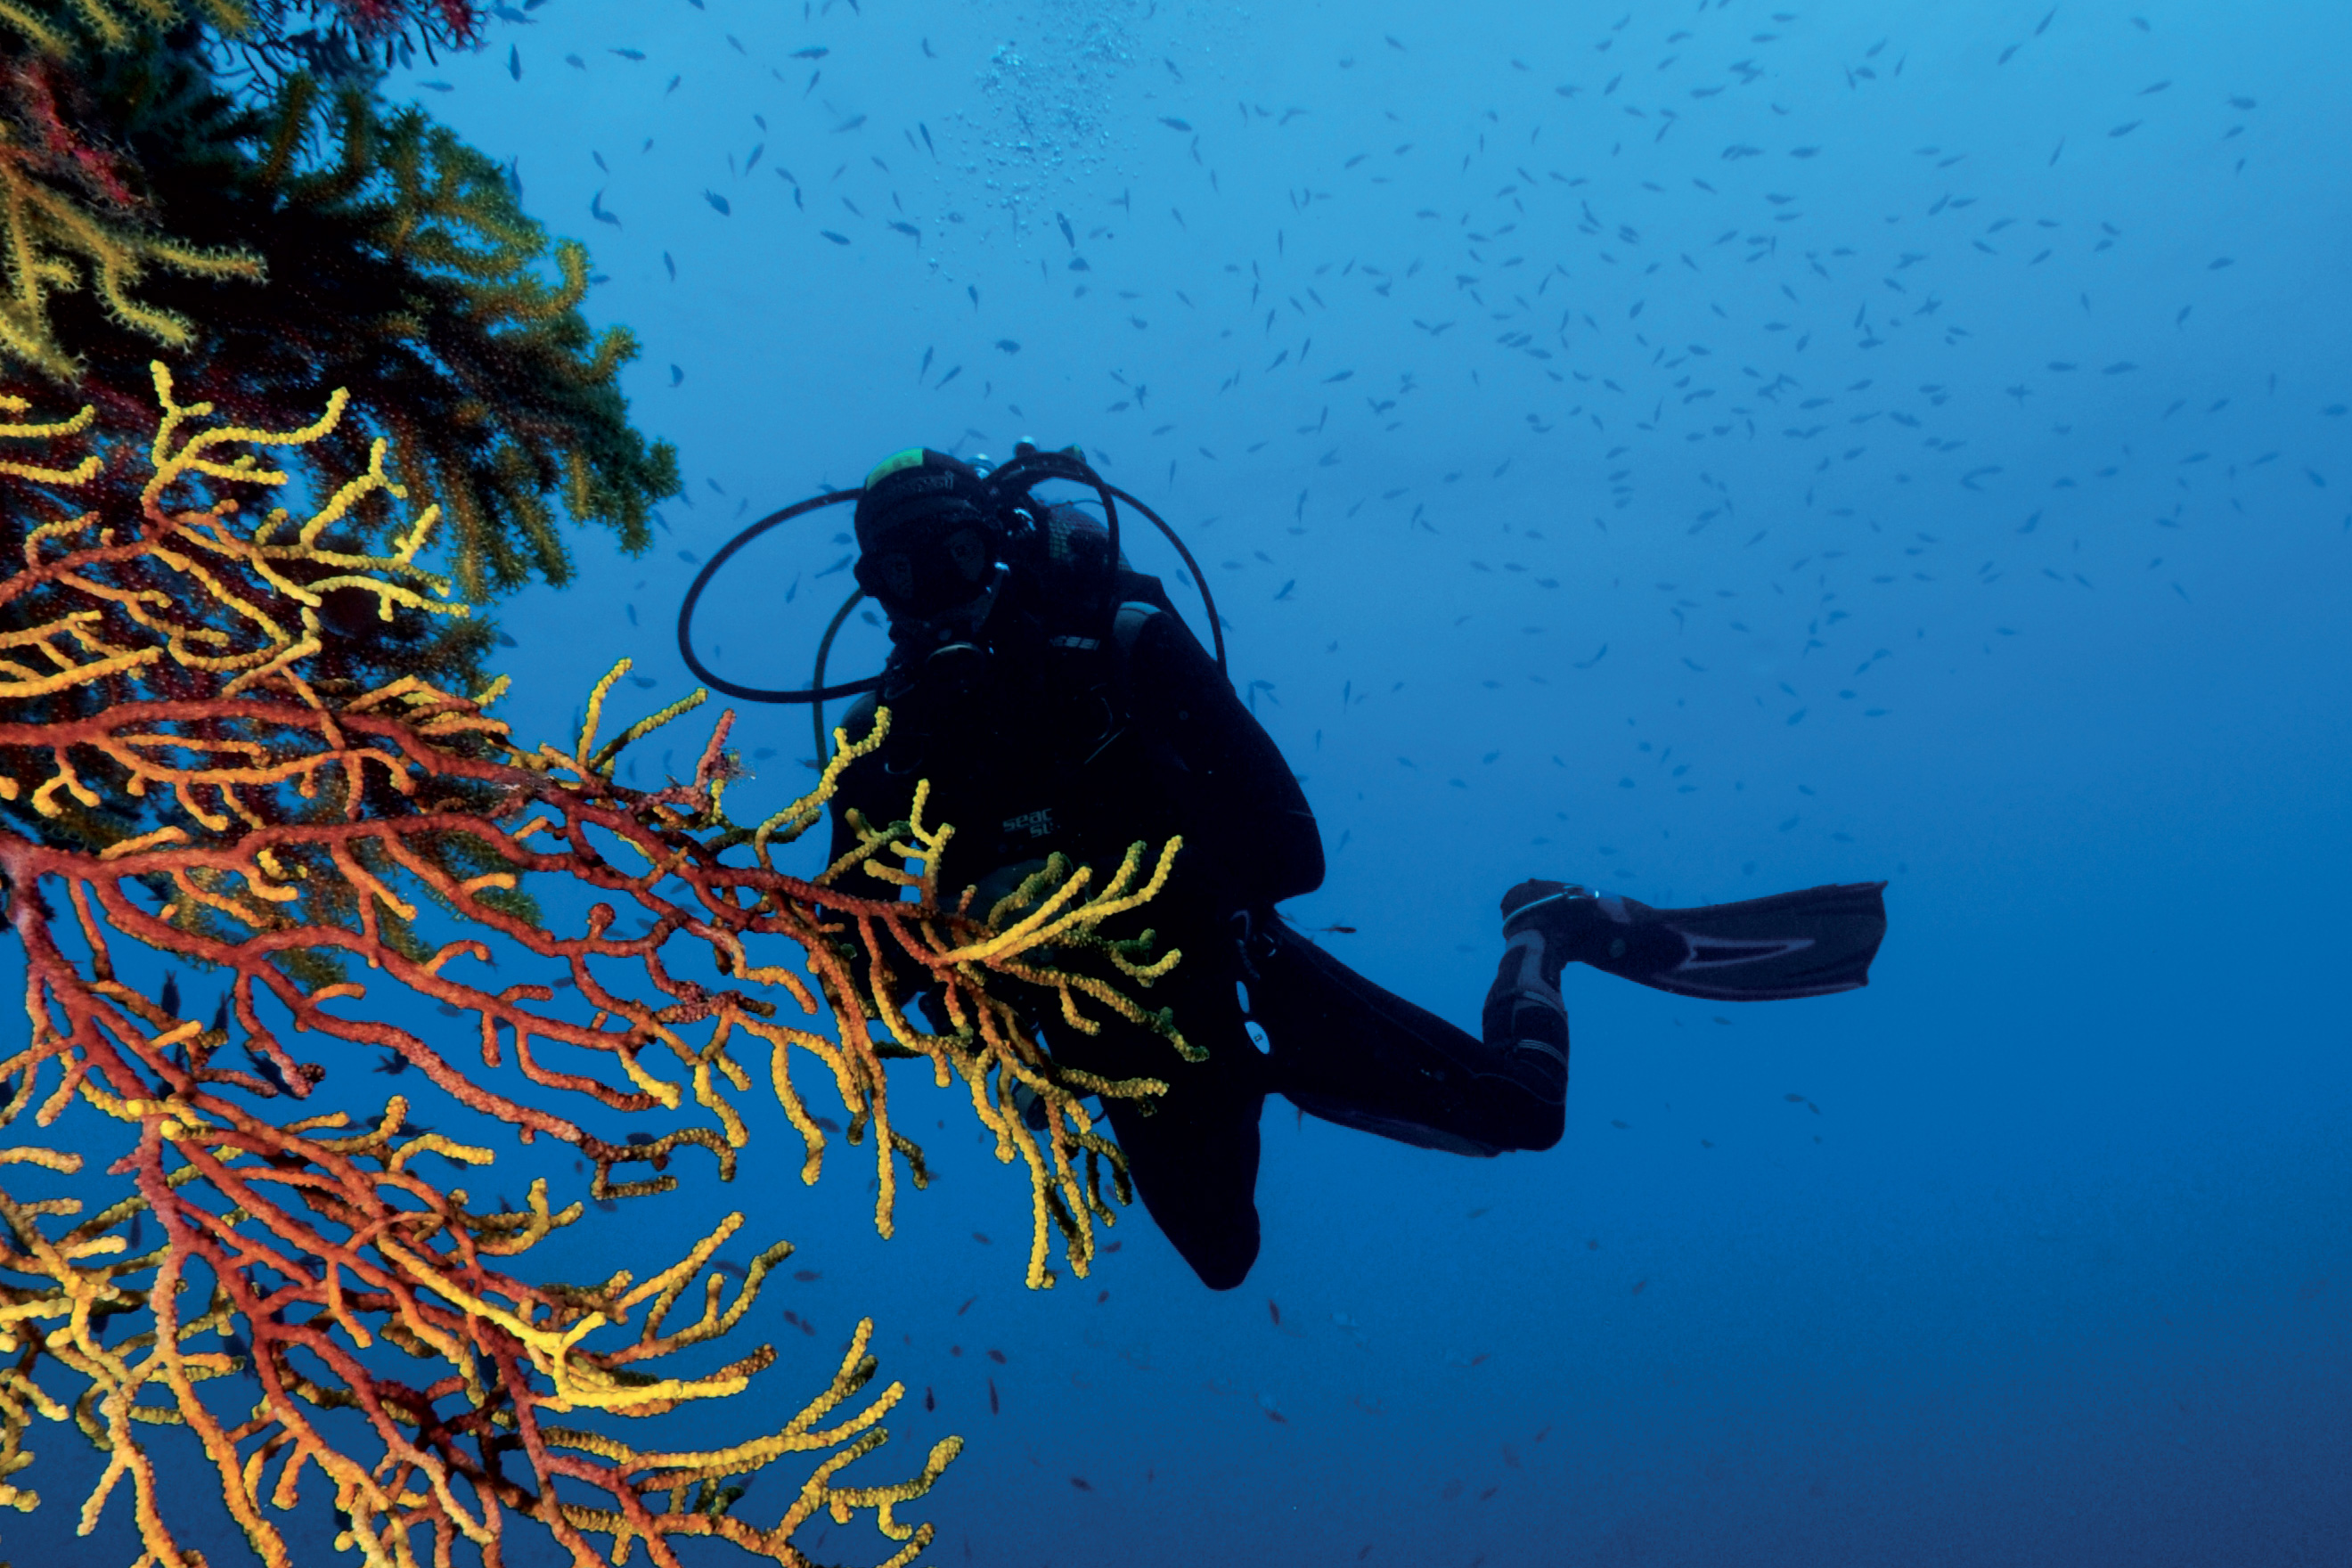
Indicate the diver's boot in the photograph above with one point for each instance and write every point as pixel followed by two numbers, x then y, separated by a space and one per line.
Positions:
pixel 1524 1023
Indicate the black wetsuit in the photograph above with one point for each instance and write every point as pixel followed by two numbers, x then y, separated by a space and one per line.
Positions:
pixel 1097 719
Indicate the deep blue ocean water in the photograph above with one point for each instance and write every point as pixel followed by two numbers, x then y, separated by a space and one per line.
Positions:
pixel 1696 450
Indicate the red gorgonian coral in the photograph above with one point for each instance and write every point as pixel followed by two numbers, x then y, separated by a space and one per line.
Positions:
pixel 195 767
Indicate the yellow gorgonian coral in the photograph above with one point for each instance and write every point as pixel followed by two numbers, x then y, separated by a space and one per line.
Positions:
pixel 226 805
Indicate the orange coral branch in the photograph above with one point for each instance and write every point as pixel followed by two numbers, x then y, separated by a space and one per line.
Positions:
pixel 297 829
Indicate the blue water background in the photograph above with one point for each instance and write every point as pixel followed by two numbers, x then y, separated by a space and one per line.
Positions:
pixel 1939 421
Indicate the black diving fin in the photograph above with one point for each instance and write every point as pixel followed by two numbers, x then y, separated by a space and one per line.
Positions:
pixel 1810 943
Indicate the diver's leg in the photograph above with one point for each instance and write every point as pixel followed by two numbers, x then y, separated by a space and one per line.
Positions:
pixel 1348 1051
pixel 1194 1160
pixel 1524 1023
pixel 1192 1152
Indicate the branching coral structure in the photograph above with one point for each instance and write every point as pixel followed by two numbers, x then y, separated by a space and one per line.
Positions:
pixel 284 234
pixel 191 769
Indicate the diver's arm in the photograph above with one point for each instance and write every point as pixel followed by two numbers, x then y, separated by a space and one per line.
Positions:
pixel 1242 806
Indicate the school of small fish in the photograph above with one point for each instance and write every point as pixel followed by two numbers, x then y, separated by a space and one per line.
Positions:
pixel 1654 273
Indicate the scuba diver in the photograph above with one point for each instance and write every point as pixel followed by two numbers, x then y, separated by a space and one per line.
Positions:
pixel 1054 700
